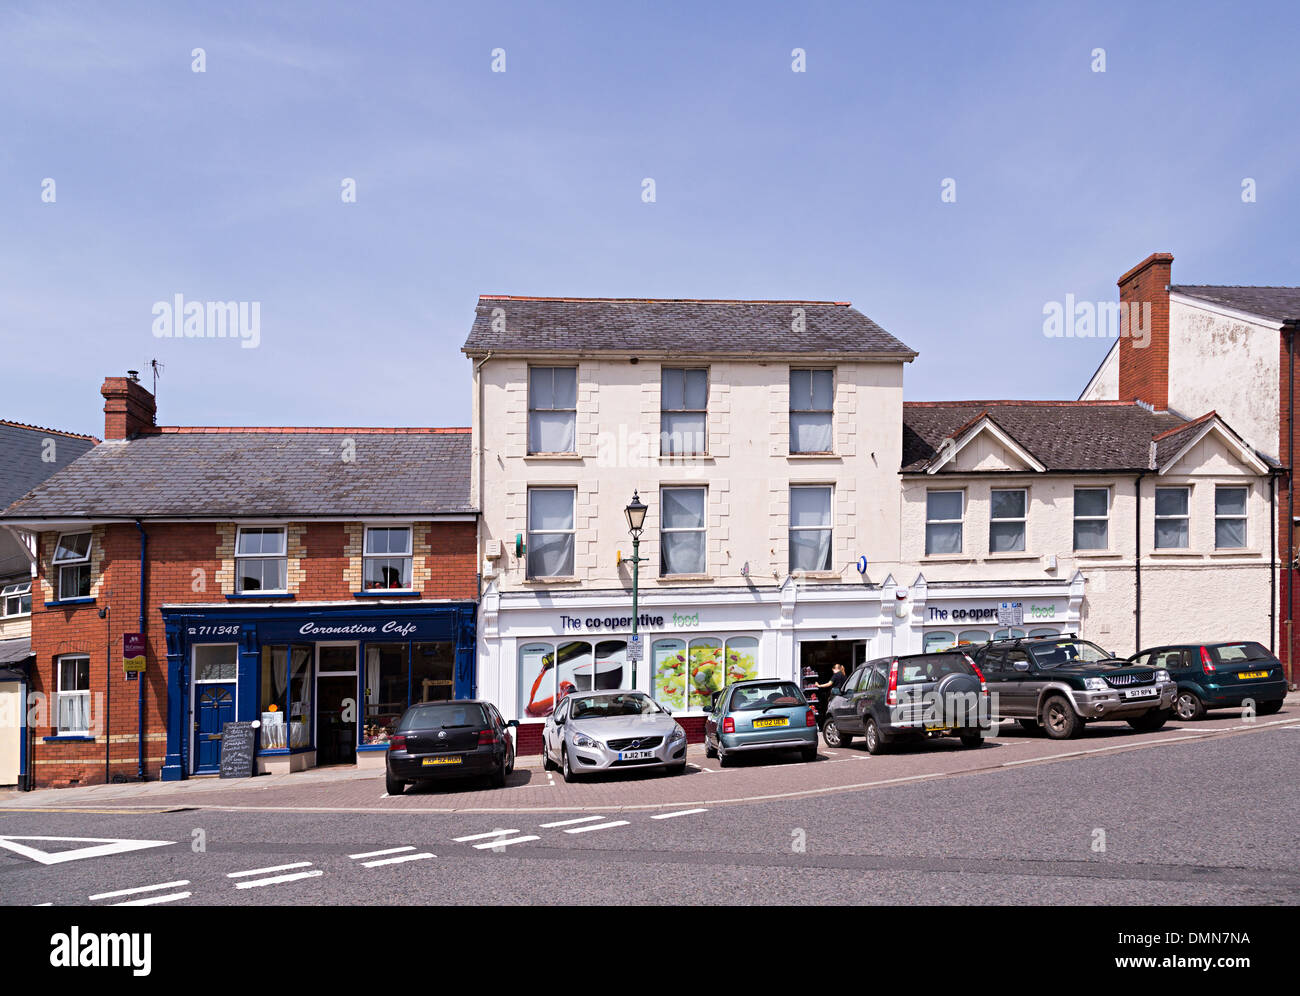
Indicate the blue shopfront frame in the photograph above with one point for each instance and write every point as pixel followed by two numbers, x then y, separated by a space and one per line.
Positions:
pixel 252 627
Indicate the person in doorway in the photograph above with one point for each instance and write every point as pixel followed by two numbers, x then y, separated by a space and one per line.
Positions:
pixel 836 683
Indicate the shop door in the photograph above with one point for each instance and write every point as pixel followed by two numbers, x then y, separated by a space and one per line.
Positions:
pixel 336 703
pixel 215 706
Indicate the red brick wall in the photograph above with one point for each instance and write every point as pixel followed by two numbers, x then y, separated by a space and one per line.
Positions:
pixel 324 561
pixel 453 560
pixel 1144 373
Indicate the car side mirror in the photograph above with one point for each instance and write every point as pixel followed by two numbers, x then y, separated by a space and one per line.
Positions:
pixel 1022 665
pixel 514 723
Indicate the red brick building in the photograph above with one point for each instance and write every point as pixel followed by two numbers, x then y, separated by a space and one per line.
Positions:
pixel 314 580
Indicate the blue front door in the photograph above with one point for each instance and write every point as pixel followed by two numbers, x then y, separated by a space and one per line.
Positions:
pixel 214 707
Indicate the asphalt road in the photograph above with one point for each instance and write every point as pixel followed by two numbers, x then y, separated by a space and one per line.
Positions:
pixel 1208 821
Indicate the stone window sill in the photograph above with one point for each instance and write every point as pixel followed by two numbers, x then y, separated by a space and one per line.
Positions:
pixel 676 578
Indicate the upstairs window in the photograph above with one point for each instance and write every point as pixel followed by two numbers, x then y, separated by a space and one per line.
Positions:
pixel 1007 510
pixel 16 599
pixel 72 562
pixel 682 531
pixel 1172 518
pixel 812 395
pixel 260 560
pixel 1092 518
pixel 552 409
pixel 550 532
pixel 683 421
pixel 810 528
pixel 1230 518
pixel 943 522
pixel 387 560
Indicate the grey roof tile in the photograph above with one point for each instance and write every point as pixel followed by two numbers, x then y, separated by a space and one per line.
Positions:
pixel 1277 303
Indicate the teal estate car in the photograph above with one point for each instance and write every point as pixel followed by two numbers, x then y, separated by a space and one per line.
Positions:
pixel 762 714
pixel 1219 676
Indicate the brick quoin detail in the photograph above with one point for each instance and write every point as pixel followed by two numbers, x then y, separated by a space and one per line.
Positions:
pixel 1144 373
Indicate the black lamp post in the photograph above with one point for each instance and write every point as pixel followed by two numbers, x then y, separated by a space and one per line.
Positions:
pixel 635 513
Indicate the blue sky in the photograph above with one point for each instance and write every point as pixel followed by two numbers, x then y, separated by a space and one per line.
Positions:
pixel 225 185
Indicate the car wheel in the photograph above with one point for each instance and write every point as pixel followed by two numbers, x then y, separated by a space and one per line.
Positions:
pixel 1188 706
pixel 833 736
pixel 875 741
pixel 510 763
pixel 1028 725
pixel 724 759
pixel 394 786
pixel 547 763
pixel 1060 721
pixel 1268 708
pixel 972 740
pixel 570 775
pixel 1151 721
pixel 709 751
pixel 499 776
pixel 810 754
pixel 677 769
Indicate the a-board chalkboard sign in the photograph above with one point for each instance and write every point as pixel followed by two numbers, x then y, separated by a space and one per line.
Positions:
pixel 238 745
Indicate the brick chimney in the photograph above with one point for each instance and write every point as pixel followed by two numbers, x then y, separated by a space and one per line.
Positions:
pixel 1144 331
pixel 128 408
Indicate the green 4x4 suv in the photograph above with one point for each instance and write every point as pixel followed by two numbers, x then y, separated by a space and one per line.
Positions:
pixel 1061 682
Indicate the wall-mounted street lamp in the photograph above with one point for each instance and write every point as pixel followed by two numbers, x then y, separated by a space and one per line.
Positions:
pixel 635 513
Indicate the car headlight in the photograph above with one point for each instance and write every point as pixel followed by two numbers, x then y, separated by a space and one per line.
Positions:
pixel 582 740
pixel 677 734
pixel 1094 684
pixel 1162 675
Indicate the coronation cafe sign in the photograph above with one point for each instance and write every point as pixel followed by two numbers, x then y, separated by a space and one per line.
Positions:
pixel 391 627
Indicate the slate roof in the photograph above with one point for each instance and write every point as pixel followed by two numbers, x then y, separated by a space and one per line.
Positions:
pixel 261 472
pixel 23 449
pixel 1083 436
pixel 1277 303
pixel 15 651
pixel 675 327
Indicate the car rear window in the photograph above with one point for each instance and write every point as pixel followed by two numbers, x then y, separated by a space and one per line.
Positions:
pixel 932 668
pixel 435 715
pixel 1231 653
pixel 781 694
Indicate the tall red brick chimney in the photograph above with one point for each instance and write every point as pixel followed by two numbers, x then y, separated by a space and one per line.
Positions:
pixel 1144 331
pixel 128 408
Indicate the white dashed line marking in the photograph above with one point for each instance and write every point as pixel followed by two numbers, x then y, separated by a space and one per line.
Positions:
pixel 143 888
pixel 397 861
pixel 481 836
pixel 376 854
pixel 680 812
pixel 155 900
pixel 505 843
pixel 598 826
pixel 278 879
pixel 566 823
pixel 273 868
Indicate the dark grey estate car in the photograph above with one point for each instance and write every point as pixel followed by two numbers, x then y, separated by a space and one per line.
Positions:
pixel 1059 683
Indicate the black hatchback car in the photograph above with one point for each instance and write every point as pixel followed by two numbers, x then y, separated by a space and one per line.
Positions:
pixel 910 698
pixel 1219 676
pixel 458 739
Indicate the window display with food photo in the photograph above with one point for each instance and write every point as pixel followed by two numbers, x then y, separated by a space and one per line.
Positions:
pixel 687 676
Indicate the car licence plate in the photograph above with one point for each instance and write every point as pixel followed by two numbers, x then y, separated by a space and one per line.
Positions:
pixel 1252 674
pixel 762 724
pixel 635 755
pixel 1139 693
pixel 429 762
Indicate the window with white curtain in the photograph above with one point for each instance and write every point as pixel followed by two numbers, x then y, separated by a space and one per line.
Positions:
pixel 812 395
pixel 810 528
pixel 1230 518
pixel 1007 513
pixel 1092 518
pixel 74 695
pixel 1172 518
pixel 682 530
pixel 683 421
pixel 943 522
pixel 552 409
pixel 550 532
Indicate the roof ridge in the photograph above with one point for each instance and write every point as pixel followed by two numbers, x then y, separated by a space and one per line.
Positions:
pixel 57 432
pixel 292 429
pixel 1293 287
pixel 661 300
pixel 976 404
pixel 1185 426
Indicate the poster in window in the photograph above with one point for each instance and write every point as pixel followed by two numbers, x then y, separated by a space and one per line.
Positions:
pixel 707 671
pixel 669 662
pixel 537 679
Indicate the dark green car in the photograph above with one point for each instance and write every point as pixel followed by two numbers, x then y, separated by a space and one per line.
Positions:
pixel 1219 676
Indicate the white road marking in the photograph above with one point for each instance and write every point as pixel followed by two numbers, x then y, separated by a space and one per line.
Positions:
pixel 102 847
pixel 278 879
pixel 565 823
pixel 273 868
pixel 143 888
pixel 680 812
pixel 598 826
pixel 1098 750
pixel 397 861
pixel 155 900
pixel 700 767
pixel 375 854
pixel 504 843
pixel 481 836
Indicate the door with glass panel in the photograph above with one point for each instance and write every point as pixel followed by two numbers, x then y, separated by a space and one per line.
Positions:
pixel 336 703
pixel 216 669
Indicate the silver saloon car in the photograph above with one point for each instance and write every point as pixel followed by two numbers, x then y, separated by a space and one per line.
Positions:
pixel 606 731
